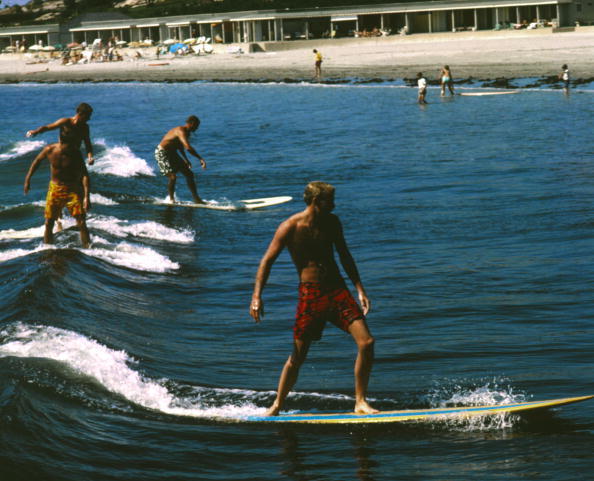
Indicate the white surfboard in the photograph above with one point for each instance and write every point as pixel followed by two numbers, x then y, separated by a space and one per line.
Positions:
pixel 245 204
pixel 480 94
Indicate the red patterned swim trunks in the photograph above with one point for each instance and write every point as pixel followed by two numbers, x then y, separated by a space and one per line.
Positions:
pixel 318 304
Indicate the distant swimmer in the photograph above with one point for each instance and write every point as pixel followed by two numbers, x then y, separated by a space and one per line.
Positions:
pixel 317 64
pixel 564 76
pixel 422 84
pixel 446 80
pixel 167 155
pixel 73 130
pixel 69 187
pixel 311 237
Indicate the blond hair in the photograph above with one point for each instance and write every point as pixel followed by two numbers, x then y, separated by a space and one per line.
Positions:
pixel 317 189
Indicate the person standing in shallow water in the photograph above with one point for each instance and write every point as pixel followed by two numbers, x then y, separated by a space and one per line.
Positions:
pixel 422 84
pixel 446 80
pixel 564 77
pixel 311 236
pixel 171 157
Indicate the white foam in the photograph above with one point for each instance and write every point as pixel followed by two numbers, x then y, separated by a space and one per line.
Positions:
pixel 21 148
pixel 147 229
pixel 489 393
pixel 120 160
pixel 101 200
pixel 129 255
pixel 22 234
pixel 112 369
pixel 15 253
pixel 124 254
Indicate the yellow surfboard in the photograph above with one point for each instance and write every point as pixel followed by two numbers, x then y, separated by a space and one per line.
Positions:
pixel 415 414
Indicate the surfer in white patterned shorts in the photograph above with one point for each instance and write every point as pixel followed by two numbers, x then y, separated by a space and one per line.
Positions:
pixel 311 237
pixel 171 157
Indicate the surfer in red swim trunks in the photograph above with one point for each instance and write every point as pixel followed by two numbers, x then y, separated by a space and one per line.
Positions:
pixel 311 237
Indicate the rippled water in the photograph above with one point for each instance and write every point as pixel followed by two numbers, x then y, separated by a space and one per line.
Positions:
pixel 471 223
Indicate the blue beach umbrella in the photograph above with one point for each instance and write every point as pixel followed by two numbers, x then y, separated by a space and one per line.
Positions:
pixel 177 46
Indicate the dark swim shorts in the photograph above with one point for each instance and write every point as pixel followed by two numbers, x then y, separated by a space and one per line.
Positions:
pixel 169 162
pixel 319 303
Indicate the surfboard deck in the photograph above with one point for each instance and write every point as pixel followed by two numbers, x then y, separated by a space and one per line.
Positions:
pixel 245 204
pixel 480 94
pixel 415 414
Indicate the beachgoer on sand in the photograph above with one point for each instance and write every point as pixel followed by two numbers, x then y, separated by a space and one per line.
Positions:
pixel 318 64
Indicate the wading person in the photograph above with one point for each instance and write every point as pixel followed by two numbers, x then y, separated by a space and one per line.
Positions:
pixel 171 157
pixel 446 80
pixel 69 187
pixel 311 237
pixel 422 84
pixel 73 130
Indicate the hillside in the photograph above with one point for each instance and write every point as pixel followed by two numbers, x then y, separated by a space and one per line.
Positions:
pixel 54 11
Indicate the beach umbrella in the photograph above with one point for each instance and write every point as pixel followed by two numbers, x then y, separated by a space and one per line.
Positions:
pixel 73 45
pixel 121 43
pixel 10 48
pixel 178 46
pixel 169 41
pixel 190 41
pixel 48 48
pixel 35 48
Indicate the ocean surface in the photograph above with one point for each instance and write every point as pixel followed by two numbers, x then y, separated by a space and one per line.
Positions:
pixel 472 223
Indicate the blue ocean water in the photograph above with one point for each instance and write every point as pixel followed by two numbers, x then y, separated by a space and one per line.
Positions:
pixel 471 223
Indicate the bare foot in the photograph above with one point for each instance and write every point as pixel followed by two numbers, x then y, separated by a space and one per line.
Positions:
pixel 272 410
pixel 199 201
pixel 363 407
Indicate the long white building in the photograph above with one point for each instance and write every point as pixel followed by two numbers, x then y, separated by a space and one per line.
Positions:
pixel 260 27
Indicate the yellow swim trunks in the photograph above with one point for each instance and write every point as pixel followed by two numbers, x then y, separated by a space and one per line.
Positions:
pixel 60 196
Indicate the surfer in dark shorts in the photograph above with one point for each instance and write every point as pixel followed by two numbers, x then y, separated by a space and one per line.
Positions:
pixel 311 237
pixel 73 130
pixel 171 157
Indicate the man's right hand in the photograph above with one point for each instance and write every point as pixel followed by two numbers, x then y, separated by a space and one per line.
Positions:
pixel 257 309
pixel 26 187
pixel 30 133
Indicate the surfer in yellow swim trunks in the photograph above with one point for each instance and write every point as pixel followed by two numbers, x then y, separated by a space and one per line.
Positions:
pixel 171 157
pixel 69 187
pixel 311 236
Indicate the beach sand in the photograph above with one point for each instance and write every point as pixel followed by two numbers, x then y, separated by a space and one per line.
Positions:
pixel 480 55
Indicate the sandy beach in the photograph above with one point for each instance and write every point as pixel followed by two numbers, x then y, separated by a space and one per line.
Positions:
pixel 479 55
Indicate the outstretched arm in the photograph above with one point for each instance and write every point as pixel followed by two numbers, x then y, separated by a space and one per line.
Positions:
pixel 348 263
pixel 278 243
pixel 45 128
pixel 34 165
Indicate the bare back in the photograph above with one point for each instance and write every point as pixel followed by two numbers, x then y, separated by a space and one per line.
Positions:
pixel 175 139
pixel 311 245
